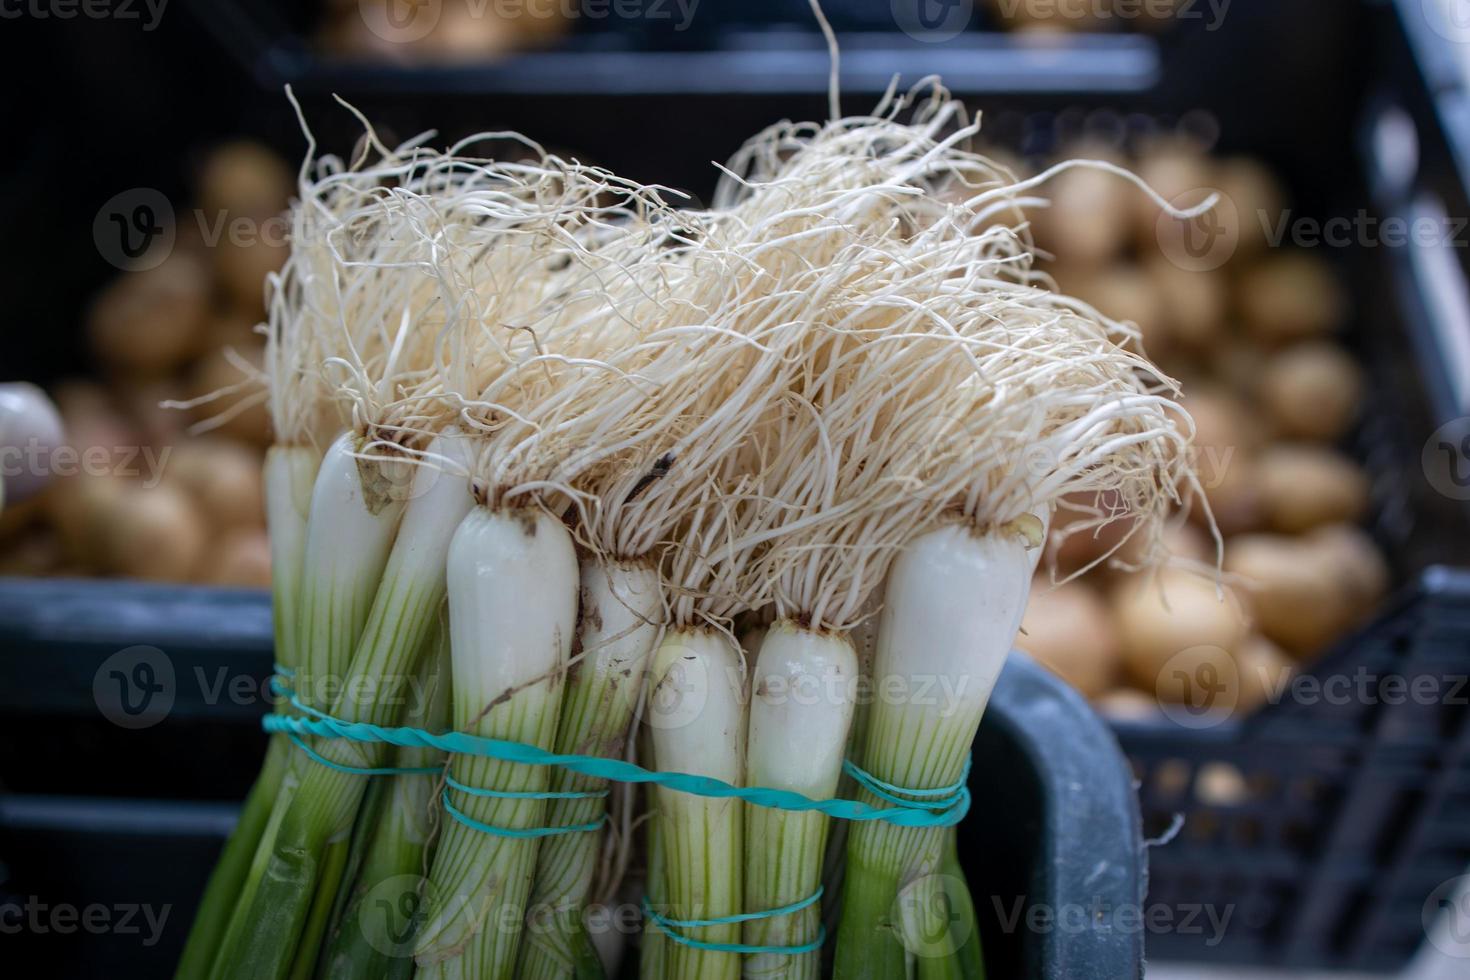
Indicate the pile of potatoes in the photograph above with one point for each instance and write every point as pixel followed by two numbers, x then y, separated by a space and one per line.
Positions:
pixel 1273 396
pixel 155 502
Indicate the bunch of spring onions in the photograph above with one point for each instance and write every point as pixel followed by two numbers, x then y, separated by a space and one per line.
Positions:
pixel 561 464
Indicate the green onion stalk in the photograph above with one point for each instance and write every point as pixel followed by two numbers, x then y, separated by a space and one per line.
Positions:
pixel 376 925
pixel 698 719
pixel 953 602
pixel 290 472
pixel 799 717
pixel 370 602
pixel 617 628
pixel 864 637
pixel 653 947
pixel 513 585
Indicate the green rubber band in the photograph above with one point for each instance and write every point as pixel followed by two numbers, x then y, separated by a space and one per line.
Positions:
pixel 670 927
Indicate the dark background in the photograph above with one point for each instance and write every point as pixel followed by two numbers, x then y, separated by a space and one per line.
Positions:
pixel 95 107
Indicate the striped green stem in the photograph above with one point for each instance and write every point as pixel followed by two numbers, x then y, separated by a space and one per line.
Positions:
pixel 380 913
pixel 954 600
pixel 653 946
pixel 290 472
pixel 616 630
pixel 800 711
pixel 268 926
pixel 512 616
pixel 698 718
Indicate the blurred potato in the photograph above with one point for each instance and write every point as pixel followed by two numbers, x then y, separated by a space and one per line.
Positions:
pixel 1258 197
pixel 1181 175
pixel 1264 671
pixel 240 559
pixel 1194 303
pixel 242 266
pixel 1087 222
pixel 1124 292
pixel 1311 391
pixel 1305 486
pixel 152 533
pixel 1350 557
pixel 1290 297
pixel 148 323
pixel 1162 616
pixel 242 178
pixel 80 507
pixel 223 478
pixel 1292 599
pixel 1069 630
pixel 229 414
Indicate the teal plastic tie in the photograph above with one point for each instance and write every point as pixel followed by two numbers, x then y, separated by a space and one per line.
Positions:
pixel 508 794
pixel 942 807
pixel 517 833
pixel 670 927
pixel 284 690
pixel 320 759
pixel 945 797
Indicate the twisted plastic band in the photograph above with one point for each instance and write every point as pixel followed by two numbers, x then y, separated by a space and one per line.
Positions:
pixel 906 813
pixel 945 806
pixel 945 797
pixel 670 927
pixel 507 794
pixel 517 833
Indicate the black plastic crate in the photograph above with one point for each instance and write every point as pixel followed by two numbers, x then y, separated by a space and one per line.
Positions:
pixel 1350 818
pixel 1325 820
pixel 122 704
pixel 1328 818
